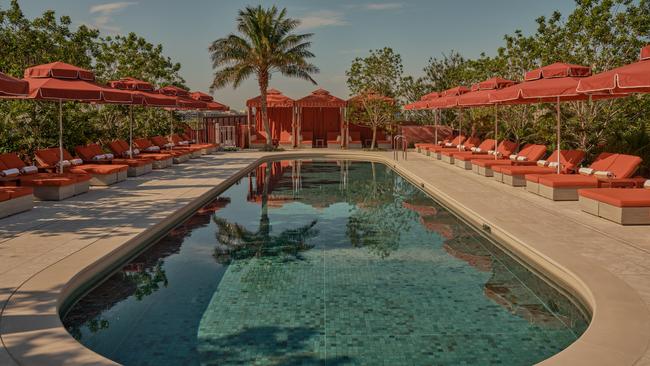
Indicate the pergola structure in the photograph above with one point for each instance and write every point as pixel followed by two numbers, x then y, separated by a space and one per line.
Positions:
pixel 321 120
pixel 281 114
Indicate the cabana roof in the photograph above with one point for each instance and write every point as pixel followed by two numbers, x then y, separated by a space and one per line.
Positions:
pixel 274 99
pixel 321 98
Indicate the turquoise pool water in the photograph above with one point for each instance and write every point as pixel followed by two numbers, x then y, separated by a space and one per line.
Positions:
pixel 325 263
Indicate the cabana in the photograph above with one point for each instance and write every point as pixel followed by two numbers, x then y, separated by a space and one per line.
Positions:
pixel 320 120
pixel 280 111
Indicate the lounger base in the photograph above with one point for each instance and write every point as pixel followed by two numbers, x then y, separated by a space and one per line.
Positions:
pixel 162 164
pixel 81 187
pixel 619 215
pixel 559 194
pixel 498 176
pixel 54 193
pixel 136 171
pixel 513 180
pixel 196 154
pixel 463 164
pixel 104 179
pixel 448 159
pixel 482 170
pixel 532 187
pixel 181 159
pixel 16 205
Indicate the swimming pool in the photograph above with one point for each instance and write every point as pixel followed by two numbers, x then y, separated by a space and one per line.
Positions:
pixel 325 262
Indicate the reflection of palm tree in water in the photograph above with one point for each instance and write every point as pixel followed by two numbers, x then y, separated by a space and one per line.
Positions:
pixel 236 242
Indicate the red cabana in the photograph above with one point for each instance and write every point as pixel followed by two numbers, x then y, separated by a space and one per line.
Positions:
pixel 10 86
pixel 320 119
pixel 280 111
pixel 59 81
pixel 553 83
pixel 632 78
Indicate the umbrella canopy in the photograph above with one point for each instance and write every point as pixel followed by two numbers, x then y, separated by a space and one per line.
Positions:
pixel 143 93
pixel 480 94
pixel 211 104
pixel 321 98
pixel 10 86
pixel 183 99
pixel 61 81
pixel 175 91
pixel 550 83
pixel 430 96
pixel 274 99
pixel 632 78
pixel 423 102
pixel 448 98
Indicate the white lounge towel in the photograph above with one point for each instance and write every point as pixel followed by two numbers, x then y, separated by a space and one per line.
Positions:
pixel 522 158
pixel 553 164
pixel 478 149
pixel 29 169
pixel 474 149
pixel 513 157
pixel 646 184
pixel 183 143
pixel 9 172
pixel 152 149
pixel 586 171
pixel 604 173
pixel 76 161
pixel 109 156
pixel 63 163
pixel 168 145
pixel 99 157
pixel 542 163
pixel 449 144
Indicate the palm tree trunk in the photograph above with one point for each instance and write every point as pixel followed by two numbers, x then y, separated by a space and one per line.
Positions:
pixel 264 84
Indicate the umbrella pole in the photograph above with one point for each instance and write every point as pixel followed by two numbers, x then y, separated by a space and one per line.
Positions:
pixel 171 124
pixel 131 131
pixel 496 130
pixel 460 125
pixel 60 136
pixel 435 126
pixel 558 134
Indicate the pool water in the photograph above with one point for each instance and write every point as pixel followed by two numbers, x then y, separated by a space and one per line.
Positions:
pixel 325 263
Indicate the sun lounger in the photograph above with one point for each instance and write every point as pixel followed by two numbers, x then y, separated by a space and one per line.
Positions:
pixel 354 140
pixel 166 145
pixel 145 146
pixel 102 174
pixel 528 156
pixel 209 147
pixel 181 141
pixel 626 206
pixel 14 200
pixel 607 171
pixel 120 148
pixel 46 186
pixel 464 160
pixel 93 154
pixel 514 175
pixel 432 149
pixel 447 154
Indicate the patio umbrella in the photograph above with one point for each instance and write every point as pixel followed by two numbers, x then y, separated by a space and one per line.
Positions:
pixel 143 94
pixel 10 86
pixel 552 83
pixel 183 101
pixel 632 78
pixel 449 99
pixel 480 97
pixel 211 105
pixel 59 81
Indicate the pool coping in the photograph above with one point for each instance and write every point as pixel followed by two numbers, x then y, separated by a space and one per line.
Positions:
pixel 617 333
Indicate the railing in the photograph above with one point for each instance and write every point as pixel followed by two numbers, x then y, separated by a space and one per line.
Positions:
pixel 397 147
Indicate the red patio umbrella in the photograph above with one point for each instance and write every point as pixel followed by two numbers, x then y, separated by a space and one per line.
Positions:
pixel 632 78
pixel 480 97
pixel 10 86
pixel 143 94
pixel 183 101
pixel 552 83
pixel 59 81
pixel 449 99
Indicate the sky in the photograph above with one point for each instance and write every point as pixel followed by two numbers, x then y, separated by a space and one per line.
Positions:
pixel 343 30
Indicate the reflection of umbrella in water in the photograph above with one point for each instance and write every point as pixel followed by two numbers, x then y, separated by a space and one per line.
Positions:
pixel 469 251
pixel 422 210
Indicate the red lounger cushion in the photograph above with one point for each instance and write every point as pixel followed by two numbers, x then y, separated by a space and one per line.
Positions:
pixel 619 197
pixel 16 192
pixel 99 169
pixel 4 195
pixel 568 180
pixel 524 170
pixel 53 180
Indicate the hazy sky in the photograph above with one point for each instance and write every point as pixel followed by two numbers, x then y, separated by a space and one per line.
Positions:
pixel 417 29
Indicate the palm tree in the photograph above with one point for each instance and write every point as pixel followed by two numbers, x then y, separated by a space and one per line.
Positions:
pixel 265 44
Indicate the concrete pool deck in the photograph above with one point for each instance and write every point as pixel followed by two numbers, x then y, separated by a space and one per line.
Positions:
pixel 47 253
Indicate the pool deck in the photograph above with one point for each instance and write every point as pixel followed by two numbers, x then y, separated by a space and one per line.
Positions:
pixel 46 253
